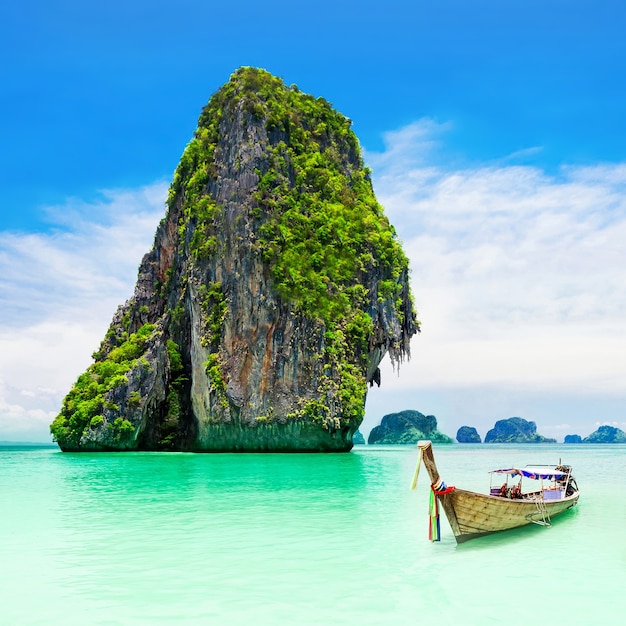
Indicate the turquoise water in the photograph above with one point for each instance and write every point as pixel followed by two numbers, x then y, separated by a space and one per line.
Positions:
pixel 151 538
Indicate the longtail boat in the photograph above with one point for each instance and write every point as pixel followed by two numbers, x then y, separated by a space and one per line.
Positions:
pixel 510 505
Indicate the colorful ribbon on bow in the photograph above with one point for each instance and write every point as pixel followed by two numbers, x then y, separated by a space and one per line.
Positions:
pixel 437 489
pixel 434 530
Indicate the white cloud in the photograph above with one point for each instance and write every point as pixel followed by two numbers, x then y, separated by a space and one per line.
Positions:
pixel 518 276
pixel 89 257
pixel 59 291
pixel 613 423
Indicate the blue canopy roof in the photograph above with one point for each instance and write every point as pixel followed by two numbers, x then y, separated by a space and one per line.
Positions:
pixel 532 472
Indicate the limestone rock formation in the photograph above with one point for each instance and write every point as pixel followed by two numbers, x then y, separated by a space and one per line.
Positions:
pixel 606 434
pixel 407 427
pixel 274 288
pixel 572 439
pixel 515 430
pixel 358 439
pixel 467 434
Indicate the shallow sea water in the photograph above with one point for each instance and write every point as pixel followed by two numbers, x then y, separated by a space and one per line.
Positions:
pixel 155 538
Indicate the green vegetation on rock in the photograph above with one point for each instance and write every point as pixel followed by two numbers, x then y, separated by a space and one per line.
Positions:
pixel 84 404
pixel 214 309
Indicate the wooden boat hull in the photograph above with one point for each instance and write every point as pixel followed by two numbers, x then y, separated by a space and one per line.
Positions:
pixel 472 515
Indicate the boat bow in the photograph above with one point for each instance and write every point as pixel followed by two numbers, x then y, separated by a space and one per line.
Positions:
pixel 427 457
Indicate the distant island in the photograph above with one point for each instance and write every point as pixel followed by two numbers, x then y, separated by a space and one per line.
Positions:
pixel 604 434
pixel 468 434
pixel 515 430
pixel 510 430
pixel 519 430
pixel 358 439
pixel 572 439
pixel 407 427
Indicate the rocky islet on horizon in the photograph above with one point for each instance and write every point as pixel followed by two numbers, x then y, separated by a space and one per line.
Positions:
pixel 468 434
pixel 515 430
pixel 406 427
pixel 603 434
pixel 409 426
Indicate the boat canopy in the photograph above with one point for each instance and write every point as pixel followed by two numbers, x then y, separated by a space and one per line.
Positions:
pixel 537 473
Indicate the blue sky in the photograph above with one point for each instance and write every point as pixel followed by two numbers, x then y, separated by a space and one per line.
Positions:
pixel 495 130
